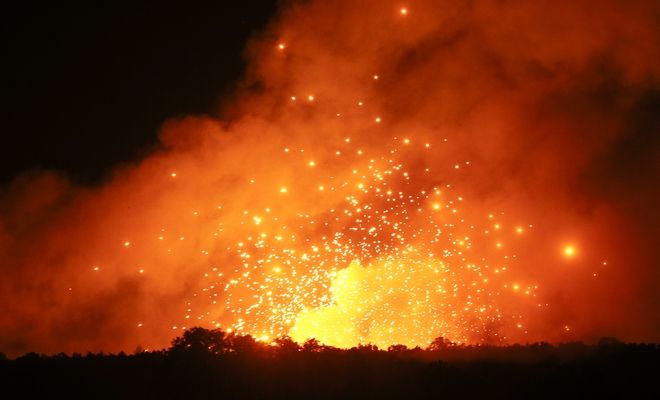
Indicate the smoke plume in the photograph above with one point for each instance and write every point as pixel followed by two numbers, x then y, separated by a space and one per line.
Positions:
pixel 542 113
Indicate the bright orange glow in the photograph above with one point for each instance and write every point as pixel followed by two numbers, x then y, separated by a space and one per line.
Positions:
pixel 406 278
pixel 443 201
pixel 569 251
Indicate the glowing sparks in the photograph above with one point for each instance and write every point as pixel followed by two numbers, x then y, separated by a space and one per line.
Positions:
pixel 369 264
pixel 400 221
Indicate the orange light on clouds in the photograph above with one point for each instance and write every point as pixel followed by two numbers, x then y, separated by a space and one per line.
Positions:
pixel 409 215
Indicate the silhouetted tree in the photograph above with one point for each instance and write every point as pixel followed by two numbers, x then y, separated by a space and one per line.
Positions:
pixel 397 348
pixel 200 340
pixel 250 369
pixel 440 343
pixel 312 346
pixel 29 357
pixel 366 348
pixel 286 345
pixel 242 344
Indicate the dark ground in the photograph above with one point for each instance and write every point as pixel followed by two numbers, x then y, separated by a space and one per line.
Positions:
pixel 202 366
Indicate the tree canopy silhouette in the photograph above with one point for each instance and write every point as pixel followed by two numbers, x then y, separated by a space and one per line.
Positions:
pixel 206 363
pixel 200 340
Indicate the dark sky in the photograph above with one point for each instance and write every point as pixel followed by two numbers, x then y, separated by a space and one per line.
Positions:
pixel 86 87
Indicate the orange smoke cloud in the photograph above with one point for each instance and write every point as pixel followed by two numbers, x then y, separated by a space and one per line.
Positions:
pixel 540 115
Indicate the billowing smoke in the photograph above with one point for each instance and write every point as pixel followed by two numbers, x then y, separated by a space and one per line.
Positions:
pixel 541 113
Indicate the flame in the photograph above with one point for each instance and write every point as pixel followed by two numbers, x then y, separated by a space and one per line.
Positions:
pixel 393 302
pixel 392 259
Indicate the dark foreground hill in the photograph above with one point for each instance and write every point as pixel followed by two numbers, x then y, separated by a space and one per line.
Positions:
pixel 210 364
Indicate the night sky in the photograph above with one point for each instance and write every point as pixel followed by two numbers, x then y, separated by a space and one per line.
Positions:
pixel 87 86
pixel 358 172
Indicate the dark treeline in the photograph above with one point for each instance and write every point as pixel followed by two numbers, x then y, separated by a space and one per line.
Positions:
pixel 213 364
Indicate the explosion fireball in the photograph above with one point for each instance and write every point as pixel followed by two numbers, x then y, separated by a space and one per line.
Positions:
pixel 398 258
